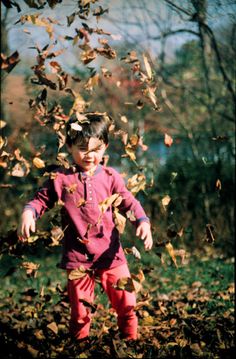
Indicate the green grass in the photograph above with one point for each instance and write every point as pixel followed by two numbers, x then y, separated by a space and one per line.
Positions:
pixel 215 274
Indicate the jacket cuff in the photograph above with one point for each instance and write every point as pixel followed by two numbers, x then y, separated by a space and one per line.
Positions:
pixel 29 207
pixel 142 219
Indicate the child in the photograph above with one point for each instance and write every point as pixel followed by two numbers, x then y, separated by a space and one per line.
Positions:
pixel 91 240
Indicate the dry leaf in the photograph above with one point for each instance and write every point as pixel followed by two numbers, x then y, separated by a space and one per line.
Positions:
pixel 218 185
pixel 120 221
pixel 128 284
pixel 53 327
pixel 104 205
pixel 171 252
pixel 133 251
pixel 209 233
pixel 77 273
pixel 38 162
pixel 31 268
pixel 137 183
pixel 147 67
pixel 168 140
pixel 165 201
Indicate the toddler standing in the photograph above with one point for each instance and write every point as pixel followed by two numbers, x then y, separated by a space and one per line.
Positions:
pixel 91 240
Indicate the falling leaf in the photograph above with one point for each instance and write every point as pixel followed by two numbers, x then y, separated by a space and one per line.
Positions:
pixel 130 215
pixel 8 63
pixel 2 124
pixel 77 273
pixel 120 221
pixel 104 205
pixel 56 234
pixel 133 251
pixel 218 185
pixel 124 119
pixel 137 183
pixel 38 162
pixel 147 67
pixel 128 284
pixel 168 140
pixel 171 252
pixel 165 201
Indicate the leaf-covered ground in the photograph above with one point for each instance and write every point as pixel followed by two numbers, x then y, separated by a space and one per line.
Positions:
pixel 183 312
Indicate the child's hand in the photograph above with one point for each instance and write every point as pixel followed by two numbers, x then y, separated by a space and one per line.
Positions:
pixel 26 225
pixel 144 231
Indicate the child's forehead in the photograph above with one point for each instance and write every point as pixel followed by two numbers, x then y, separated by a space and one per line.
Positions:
pixel 90 142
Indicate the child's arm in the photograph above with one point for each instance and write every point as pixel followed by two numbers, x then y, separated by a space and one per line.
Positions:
pixel 144 232
pixel 43 200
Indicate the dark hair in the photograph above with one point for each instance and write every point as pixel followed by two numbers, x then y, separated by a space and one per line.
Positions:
pixel 80 128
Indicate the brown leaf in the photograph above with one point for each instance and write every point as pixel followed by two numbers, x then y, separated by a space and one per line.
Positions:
pixel 218 185
pixel 209 233
pixel 120 221
pixel 56 234
pixel 81 202
pixel 128 284
pixel 53 327
pixel 133 251
pixel 104 205
pixel 31 268
pixel 137 183
pixel 8 63
pixel 77 273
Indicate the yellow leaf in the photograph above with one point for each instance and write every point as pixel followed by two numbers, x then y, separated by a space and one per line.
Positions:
pixel 130 151
pixel 129 284
pixel 77 273
pixel 38 162
pixel 165 201
pixel 171 252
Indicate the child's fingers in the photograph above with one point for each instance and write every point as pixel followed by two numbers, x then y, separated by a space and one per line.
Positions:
pixel 32 226
pixel 138 232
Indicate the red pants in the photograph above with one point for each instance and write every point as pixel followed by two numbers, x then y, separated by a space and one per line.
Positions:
pixel 121 300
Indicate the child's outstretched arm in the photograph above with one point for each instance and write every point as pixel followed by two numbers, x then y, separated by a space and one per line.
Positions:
pixel 144 232
pixel 27 224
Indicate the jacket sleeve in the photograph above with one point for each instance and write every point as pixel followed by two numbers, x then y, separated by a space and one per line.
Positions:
pixel 43 200
pixel 129 202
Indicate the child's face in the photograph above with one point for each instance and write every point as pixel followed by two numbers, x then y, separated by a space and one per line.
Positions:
pixel 88 154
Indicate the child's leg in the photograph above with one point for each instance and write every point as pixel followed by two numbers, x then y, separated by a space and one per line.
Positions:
pixel 122 301
pixel 82 288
